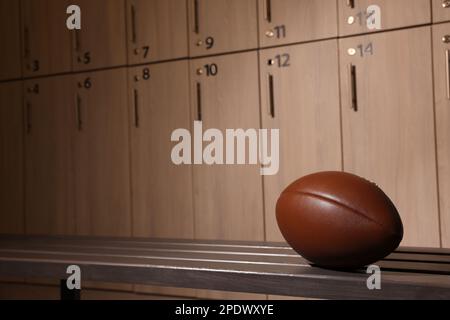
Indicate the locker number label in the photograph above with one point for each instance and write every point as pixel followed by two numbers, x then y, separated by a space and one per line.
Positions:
pixel 211 69
pixel 281 60
pixel 209 43
pixel 280 31
pixel 363 50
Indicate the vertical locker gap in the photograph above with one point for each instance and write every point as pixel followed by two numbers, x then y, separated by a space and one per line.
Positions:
pixel 341 115
pixel 441 242
pixel 261 126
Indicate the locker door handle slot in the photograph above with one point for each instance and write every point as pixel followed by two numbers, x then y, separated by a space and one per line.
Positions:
pixel 199 102
pixel 133 24
pixel 268 10
pixel 196 17
pixel 77 41
pixel 136 109
pixel 271 97
pixel 79 113
pixel 26 36
pixel 351 3
pixel 28 117
pixel 446 4
pixel 353 88
pixel 447 71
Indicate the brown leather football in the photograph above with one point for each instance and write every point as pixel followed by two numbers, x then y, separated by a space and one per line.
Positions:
pixel 339 220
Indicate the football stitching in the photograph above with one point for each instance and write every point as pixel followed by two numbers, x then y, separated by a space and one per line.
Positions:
pixel 336 203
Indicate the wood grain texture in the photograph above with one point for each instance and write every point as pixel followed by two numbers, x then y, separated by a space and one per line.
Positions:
pixel 12 159
pixel 307 113
pixel 440 14
pixel 394 14
pixel 46 39
pixel 160 25
pixel 232 23
pixel 161 191
pixel 228 199
pixel 390 139
pixel 10 56
pixel 102 35
pixel 101 156
pixel 303 20
pixel 49 121
pixel 442 101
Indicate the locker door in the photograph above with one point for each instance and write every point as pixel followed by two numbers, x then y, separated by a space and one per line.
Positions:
pixel 441 10
pixel 101 42
pixel 157 30
pixel 218 26
pixel 46 40
pixel 11 161
pixel 49 120
pixel 101 153
pixel 161 191
pixel 360 16
pixel 227 199
pixel 388 124
pixel 10 61
pixel 300 96
pixel 441 36
pixel 290 21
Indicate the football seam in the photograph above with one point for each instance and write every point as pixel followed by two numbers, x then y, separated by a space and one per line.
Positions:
pixel 357 212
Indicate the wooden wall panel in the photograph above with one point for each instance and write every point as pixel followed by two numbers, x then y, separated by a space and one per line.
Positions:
pixel 389 133
pixel 157 30
pixel 101 154
pixel 219 26
pixel 101 42
pixel 49 121
pixel 12 158
pixel 394 14
pixel 306 110
pixel 46 40
pixel 291 21
pixel 10 55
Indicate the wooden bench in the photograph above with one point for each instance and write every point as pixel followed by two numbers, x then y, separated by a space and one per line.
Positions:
pixel 266 268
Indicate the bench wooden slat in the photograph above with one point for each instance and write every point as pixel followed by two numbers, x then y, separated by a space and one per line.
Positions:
pixel 399 265
pixel 232 266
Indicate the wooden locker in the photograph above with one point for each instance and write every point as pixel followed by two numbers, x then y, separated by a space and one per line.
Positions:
pixel 291 21
pixel 101 42
pixel 46 40
pixel 219 26
pixel 441 10
pixel 388 123
pixel 12 159
pixel 49 122
pixel 161 191
pixel 10 61
pixel 300 97
pixel 441 42
pixel 360 16
pixel 228 201
pixel 101 154
pixel 157 30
